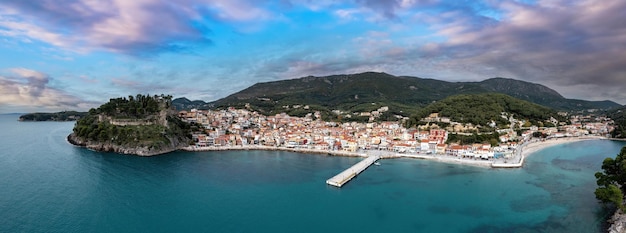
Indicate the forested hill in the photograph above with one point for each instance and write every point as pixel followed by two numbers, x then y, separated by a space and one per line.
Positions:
pixel 404 95
pixel 485 109
pixel 141 125
pixel 186 104
pixel 619 116
pixel 541 95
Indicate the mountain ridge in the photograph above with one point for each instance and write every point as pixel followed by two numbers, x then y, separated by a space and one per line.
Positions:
pixel 369 90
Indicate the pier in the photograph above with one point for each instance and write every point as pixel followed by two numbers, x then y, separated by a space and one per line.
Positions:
pixel 347 175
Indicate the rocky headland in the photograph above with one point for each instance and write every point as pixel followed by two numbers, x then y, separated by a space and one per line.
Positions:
pixel 121 149
pixel 138 125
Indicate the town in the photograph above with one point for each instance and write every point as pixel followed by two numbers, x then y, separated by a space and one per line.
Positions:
pixel 239 128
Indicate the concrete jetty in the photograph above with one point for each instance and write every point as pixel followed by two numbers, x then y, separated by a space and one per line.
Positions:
pixel 347 175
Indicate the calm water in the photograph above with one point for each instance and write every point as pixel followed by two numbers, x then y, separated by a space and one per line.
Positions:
pixel 47 185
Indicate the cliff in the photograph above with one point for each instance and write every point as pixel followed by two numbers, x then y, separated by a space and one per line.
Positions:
pixel 141 125
pixel 122 149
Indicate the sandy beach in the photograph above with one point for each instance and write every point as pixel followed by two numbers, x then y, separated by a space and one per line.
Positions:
pixel 535 146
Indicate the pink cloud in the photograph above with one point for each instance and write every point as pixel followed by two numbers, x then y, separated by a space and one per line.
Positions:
pixel 119 25
pixel 30 89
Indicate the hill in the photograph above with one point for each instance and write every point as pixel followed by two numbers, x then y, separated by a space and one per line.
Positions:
pixel 486 109
pixel 542 95
pixel 186 104
pixel 368 91
pixel 619 116
pixel 141 125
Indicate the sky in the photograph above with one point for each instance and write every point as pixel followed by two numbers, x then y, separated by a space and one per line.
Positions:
pixel 76 54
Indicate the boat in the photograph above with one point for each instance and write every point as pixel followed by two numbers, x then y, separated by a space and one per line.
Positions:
pixel 377 163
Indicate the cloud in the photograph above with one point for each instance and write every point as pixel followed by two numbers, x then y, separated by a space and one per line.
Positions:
pixel 145 86
pixel 121 26
pixel 29 89
pixel 563 43
pixel 575 47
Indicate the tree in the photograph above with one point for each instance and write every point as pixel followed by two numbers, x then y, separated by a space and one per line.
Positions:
pixel 611 194
pixel 612 180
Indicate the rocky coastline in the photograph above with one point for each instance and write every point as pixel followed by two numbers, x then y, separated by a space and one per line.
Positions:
pixel 617 222
pixel 109 147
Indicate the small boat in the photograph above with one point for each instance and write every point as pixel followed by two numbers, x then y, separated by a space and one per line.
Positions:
pixel 377 163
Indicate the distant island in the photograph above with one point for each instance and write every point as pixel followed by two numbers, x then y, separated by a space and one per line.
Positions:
pixel 55 116
pixel 140 125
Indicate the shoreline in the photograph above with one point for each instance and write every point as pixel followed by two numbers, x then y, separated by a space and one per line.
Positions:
pixel 534 146
pixel 530 147
pixel 273 148
pixel 517 161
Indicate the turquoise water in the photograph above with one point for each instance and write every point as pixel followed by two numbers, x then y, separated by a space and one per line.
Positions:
pixel 47 185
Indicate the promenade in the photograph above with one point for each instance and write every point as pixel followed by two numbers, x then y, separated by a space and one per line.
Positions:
pixel 371 156
pixel 274 148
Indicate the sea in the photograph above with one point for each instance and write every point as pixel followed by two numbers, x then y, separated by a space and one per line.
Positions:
pixel 49 185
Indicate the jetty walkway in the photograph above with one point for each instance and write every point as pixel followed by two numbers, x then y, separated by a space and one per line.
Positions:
pixel 347 175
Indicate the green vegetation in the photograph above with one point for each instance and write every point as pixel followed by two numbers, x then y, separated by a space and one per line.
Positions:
pixel 57 116
pixel 490 138
pixel 136 121
pixel 612 180
pixel 135 107
pixel 484 109
pixel 619 116
pixel 368 91
pixel 186 104
pixel 542 95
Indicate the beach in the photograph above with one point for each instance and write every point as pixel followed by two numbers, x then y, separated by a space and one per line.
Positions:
pixel 534 146
pixel 530 147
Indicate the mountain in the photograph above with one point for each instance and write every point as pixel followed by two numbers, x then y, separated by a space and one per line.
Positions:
pixel 541 94
pixel 140 125
pixel 403 94
pixel 351 93
pixel 484 109
pixel 186 104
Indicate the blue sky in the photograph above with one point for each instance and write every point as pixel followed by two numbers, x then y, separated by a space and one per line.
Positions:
pixel 76 54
